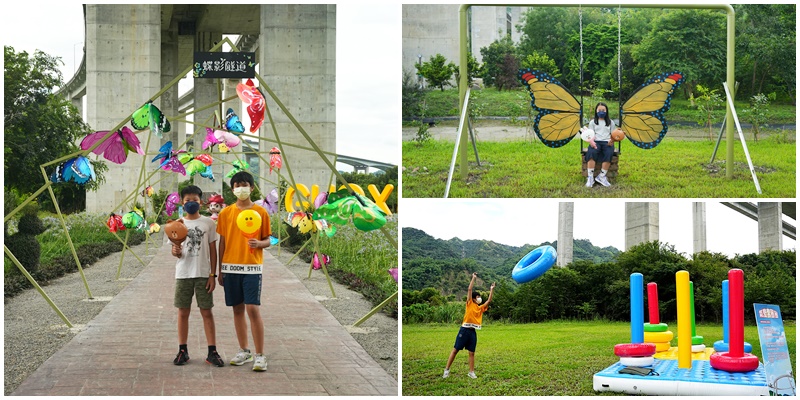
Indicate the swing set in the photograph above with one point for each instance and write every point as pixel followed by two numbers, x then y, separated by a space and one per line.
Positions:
pixel 560 115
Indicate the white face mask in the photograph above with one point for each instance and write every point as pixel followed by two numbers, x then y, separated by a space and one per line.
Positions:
pixel 242 193
pixel 478 300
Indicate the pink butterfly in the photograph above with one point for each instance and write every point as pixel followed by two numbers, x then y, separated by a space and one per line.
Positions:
pixel 214 137
pixel 250 95
pixel 116 147
pixel 171 203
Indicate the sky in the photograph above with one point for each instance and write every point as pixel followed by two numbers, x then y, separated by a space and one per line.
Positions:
pixel 367 103
pixel 532 221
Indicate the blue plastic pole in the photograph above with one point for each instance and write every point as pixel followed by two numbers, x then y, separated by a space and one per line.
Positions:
pixel 637 308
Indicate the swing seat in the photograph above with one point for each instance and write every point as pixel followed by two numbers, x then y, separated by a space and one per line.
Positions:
pixel 612 170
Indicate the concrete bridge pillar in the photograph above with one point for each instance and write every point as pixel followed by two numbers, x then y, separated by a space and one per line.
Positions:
pixel 770 227
pixel 699 226
pixel 297 59
pixel 169 106
pixel 206 92
pixel 641 223
pixel 566 212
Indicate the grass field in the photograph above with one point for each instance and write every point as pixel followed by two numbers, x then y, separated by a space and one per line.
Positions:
pixel 529 169
pixel 555 358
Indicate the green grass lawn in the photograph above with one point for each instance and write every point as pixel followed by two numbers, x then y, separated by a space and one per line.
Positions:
pixel 530 169
pixel 547 359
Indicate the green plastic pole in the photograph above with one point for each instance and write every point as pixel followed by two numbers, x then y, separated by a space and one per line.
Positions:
pixel 376 309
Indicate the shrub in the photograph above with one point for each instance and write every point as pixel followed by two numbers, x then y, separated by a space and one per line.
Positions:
pixel 23 244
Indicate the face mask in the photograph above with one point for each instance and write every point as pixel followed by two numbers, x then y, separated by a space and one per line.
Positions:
pixel 242 193
pixel 601 114
pixel 191 207
pixel 478 300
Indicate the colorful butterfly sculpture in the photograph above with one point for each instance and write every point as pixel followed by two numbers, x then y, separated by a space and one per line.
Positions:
pixel 116 147
pixel 319 260
pixel 238 166
pixel 275 160
pixel 78 170
pixel 232 122
pixel 171 203
pixel 224 139
pixel 342 206
pixel 149 116
pixel 305 222
pixel 270 203
pixel 154 228
pixel 170 159
pixel 148 192
pixel 134 220
pixel 199 164
pixel 559 117
pixel 252 97
pixel 114 223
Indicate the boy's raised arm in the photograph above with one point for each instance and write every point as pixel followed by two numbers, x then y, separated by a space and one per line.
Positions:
pixel 491 293
pixel 471 284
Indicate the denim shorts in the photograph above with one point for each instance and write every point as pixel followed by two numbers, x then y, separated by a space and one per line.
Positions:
pixel 242 288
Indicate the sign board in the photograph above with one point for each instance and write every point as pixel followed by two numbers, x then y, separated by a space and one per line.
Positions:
pixel 224 65
pixel 774 351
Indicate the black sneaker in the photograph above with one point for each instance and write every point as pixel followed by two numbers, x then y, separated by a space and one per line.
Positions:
pixel 181 358
pixel 214 359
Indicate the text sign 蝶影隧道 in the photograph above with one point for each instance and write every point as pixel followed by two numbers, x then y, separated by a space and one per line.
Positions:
pixel 224 65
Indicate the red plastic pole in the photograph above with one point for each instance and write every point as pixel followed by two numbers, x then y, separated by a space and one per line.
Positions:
pixel 652 303
pixel 736 312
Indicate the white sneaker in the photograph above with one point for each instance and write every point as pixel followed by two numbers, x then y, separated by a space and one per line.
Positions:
pixel 261 363
pixel 590 181
pixel 446 373
pixel 242 357
pixel 472 375
pixel 603 180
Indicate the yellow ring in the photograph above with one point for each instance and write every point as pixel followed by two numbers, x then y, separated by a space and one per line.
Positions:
pixel 658 337
pixel 662 346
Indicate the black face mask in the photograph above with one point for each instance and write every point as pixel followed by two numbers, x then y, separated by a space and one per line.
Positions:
pixel 191 207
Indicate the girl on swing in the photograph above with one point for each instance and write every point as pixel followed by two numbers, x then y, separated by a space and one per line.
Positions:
pixel 601 149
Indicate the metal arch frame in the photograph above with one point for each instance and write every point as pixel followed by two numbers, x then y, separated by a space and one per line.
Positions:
pixel 730 68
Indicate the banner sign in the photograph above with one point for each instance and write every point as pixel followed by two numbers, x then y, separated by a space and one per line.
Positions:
pixel 224 65
pixel 774 351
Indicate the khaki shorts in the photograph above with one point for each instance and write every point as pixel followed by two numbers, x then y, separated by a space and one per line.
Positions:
pixel 186 288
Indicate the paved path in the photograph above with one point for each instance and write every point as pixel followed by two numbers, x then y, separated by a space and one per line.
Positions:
pixel 129 347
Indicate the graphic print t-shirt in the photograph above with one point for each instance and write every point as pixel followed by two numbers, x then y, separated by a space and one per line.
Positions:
pixel 473 315
pixel 195 261
pixel 238 259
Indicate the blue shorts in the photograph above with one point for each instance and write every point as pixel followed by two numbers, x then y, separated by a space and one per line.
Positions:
pixel 242 288
pixel 602 153
pixel 467 339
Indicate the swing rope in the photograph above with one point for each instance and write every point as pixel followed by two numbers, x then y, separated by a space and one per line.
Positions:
pixel 580 88
pixel 619 63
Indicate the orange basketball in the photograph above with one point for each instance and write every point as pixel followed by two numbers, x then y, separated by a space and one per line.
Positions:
pixel 617 135
pixel 176 231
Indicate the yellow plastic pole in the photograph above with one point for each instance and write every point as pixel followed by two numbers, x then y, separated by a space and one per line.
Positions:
pixel 684 320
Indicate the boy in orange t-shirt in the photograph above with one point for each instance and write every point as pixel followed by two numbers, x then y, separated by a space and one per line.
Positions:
pixel 467 337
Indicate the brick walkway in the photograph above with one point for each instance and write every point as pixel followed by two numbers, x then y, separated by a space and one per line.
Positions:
pixel 128 348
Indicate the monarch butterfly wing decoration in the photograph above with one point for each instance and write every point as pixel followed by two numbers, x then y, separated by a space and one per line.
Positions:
pixel 559 117
pixel 643 113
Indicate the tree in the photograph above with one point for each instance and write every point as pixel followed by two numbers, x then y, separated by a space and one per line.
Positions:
pixel 541 62
pixel 437 71
pixel 39 125
pixel 500 63
pixel 474 70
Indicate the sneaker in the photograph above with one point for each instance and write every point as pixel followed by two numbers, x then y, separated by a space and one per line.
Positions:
pixel 472 375
pixel 261 363
pixel 243 356
pixel 215 360
pixel 446 373
pixel 590 181
pixel 181 358
pixel 603 180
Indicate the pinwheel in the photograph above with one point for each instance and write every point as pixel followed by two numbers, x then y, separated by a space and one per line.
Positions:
pixel 149 116
pixel 78 170
pixel 114 223
pixel 134 220
pixel 224 140
pixel 343 206
pixel 199 164
pixel 116 147
pixel 171 203
pixel 319 260
pixel 250 95
pixel 238 166
pixel 232 122
pixel 275 160
pixel 170 159
pixel 270 203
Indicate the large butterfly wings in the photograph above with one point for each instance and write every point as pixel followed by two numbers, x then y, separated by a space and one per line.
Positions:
pixel 78 170
pixel 232 122
pixel 170 159
pixel 252 97
pixel 559 117
pixel 149 116
pixel 214 137
pixel 116 147
pixel 643 113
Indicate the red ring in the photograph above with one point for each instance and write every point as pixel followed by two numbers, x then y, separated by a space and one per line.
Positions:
pixel 635 350
pixel 725 362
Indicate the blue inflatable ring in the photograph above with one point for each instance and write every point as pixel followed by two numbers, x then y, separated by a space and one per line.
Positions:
pixel 534 264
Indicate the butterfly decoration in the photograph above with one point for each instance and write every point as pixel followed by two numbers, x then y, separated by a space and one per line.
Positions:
pixel 148 192
pixel 273 241
pixel 225 140
pixel 342 206
pixel 320 259
pixel 232 122
pixel 559 112
pixel 393 273
pixel 270 203
pixel 134 220
pixel 78 170
pixel 114 223
pixel 116 147
pixel 149 116
pixel 238 166
pixel 154 228
pixel 199 164
pixel 171 203
pixel 252 97
pixel 275 160
pixel 170 159
pixel 305 223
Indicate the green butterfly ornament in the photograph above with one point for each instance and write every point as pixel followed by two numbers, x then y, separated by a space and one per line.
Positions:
pixel 149 116
pixel 343 206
